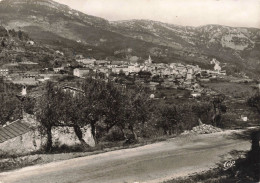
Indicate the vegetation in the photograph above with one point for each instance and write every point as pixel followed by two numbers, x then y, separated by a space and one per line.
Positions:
pixel 246 167
pixel 115 112
pixel 254 101
pixel 9 105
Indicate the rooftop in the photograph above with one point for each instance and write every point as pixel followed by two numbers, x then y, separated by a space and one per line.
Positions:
pixel 13 130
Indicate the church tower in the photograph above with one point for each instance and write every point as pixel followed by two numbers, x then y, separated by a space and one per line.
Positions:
pixel 150 60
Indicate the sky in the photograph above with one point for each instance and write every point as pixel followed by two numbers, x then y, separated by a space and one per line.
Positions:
pixel 235 13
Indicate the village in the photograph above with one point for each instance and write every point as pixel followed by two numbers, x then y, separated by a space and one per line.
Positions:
pixel 129 91
pixel 149 74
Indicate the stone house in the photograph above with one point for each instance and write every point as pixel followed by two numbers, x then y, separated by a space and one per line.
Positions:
pixel 29 78
pixel 80 72
pixel 24 136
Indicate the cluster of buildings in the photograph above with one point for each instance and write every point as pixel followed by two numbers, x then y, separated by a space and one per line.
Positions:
pixel 160 75
pixel 149 74
pixel 27 77
pixel 117 67
pixel 172 75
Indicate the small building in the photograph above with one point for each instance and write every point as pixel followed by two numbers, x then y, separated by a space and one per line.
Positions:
pixel 223 72
pixel 80 72
pixel 134 69
pixel 4 72
pixel 27 63
pixel 58 69
pixel 30 42
pixel 104 70
pixel 59 53
pixel 74 91
pixel 196 94
pixel 28 78
pixel 153 85
pixel 87 61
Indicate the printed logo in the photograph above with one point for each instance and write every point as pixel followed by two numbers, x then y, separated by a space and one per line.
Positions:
pixel 229 164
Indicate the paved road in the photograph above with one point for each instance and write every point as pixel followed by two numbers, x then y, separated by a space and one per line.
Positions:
pixel 151 163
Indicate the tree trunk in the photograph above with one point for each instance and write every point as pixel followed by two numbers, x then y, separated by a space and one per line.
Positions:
pixel 79 134
pixel 124 134
pixel 93 132
pixel 49 139
pixel 133 132
pixel 213 119
pixel 165 131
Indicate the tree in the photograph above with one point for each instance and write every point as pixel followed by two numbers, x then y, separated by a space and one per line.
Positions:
pixel 93 107
pixel 218 109
pixel 71 109
pixel 135 110
pixel 20 35
pixel 58 108
pixel 201 109
pixel 46 112
pixel 254 101
pixel 167 118
pixel 9 108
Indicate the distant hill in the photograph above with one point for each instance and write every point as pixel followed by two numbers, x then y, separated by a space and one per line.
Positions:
pixel 238 47
pixel 17 47
pixel 73 32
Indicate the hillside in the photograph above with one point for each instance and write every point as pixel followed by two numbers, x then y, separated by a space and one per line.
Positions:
pixel 73 32
pixel 17 47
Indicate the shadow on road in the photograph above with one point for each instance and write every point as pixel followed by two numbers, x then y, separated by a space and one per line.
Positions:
pixel 245 135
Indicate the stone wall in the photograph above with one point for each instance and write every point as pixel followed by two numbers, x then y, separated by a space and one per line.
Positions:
pixel 26 143
pixel 34 140
pixel 67 136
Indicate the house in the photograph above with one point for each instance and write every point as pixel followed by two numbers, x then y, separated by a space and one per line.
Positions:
pixel 152 96
pixel 4 72
pixel 116 70
pixel 196 94
pixel 28 63
pixel 74 91
pixel 80 72
pixel 59 52
pixel 153 85
pixel 102 62
pixel 23 136
pixel 58 69
pixel 134 69
pixel 28 78
pixel 30 42
pixel 87 61
pixel 223 72
pixel 118 63
pixel 189 75
pixel 217 67
pixel 104 70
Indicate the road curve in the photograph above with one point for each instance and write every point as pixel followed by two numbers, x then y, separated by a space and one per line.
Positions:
pixel 151 163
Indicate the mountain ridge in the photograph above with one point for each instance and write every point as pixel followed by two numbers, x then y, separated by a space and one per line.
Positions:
pixel 78 32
